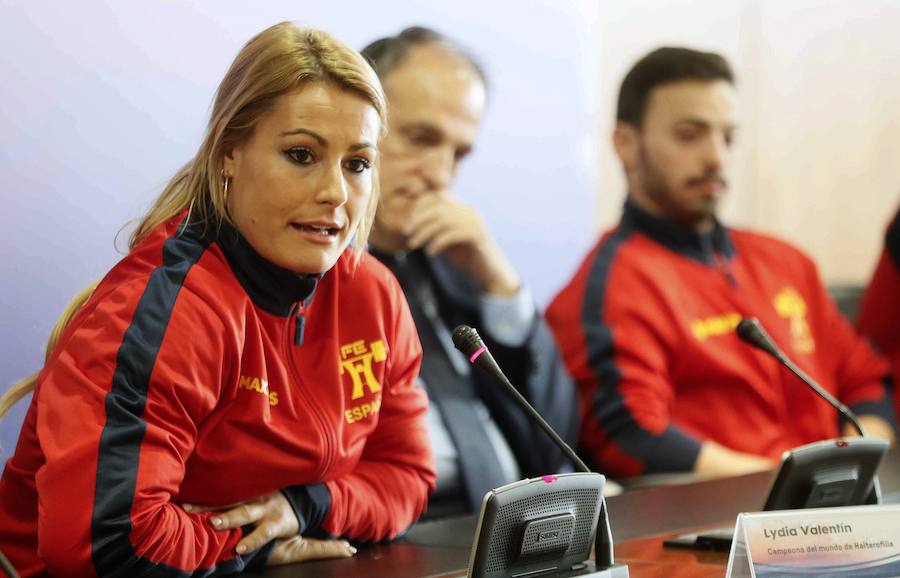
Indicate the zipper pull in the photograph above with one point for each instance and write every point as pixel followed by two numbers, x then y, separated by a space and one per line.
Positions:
pixel 298 327
pixel 725 269
pixel 730 276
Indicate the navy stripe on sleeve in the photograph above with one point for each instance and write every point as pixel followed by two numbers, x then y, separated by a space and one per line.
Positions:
pixel 883 408
pixel 119 453
pixel 670 451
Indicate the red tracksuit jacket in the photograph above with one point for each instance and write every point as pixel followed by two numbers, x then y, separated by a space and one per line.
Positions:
pixel 879 311
pixel 198 372
pixel 647 329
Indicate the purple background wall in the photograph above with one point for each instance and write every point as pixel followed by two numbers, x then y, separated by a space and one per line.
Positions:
pixel 102 102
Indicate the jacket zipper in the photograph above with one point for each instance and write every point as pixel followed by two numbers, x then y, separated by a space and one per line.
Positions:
pixel 725 269
pixel 298 315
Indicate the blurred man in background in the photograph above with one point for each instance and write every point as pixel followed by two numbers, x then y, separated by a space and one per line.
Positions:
pixel 453 271
pixel 647 324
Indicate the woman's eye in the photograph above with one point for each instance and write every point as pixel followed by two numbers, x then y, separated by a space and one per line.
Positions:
pixel 300 155
pixel 358 165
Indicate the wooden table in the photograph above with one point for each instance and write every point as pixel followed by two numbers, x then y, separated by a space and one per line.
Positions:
pixel 641 520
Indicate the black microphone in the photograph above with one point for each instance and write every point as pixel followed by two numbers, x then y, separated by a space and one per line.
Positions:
pixel 472 346
pixel 751 331
pixel 7 568
pixel 467 340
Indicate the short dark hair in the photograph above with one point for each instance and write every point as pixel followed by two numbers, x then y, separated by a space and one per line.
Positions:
pixel 663 66
pixel 385 54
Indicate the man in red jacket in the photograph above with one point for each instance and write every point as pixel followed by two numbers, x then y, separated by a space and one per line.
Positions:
pixel 879 311
pixel 647 324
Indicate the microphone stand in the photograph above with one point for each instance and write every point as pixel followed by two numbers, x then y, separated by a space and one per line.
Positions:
pixel 467 340
pixel 7 568
pixel 751 331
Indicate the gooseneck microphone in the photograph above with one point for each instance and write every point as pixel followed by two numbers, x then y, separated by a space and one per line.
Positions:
pixel 7 568
pixel 751 331
pixel 467 340
pixel 472 346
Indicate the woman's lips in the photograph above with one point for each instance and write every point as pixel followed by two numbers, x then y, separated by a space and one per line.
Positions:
pixel 317 233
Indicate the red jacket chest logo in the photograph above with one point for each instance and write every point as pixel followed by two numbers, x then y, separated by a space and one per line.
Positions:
pixel 357 360
pixel 789 304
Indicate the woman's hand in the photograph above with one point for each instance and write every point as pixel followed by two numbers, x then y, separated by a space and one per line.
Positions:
pixel 271 515
pixel 300 549
pixel 274 519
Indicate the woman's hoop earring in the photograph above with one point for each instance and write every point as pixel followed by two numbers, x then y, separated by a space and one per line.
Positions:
pixel 225 192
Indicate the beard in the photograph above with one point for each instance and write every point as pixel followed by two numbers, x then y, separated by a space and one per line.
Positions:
pixel 683 202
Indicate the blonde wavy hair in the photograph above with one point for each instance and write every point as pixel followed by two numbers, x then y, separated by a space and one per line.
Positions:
pixel 272 63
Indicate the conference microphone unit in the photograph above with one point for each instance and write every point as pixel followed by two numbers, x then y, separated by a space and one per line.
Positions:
pixel 751 331
pixel 823 474
pixel 540 495
pixel 467 340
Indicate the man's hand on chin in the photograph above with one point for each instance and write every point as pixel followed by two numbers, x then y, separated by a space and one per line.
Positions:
pixel 442 225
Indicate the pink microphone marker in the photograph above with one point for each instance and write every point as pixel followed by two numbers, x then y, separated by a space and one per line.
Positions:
pixel 478 352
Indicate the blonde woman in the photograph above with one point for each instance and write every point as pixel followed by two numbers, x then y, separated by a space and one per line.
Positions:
pixel 244 378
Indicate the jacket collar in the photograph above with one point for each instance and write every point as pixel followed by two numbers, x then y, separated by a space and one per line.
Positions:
pixel 702 247
pixel 270 287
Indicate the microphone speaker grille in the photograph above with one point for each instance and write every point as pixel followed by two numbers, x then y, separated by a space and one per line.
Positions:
pixel 467 340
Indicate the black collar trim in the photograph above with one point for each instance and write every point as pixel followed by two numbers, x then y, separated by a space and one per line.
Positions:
pixel 702 247
pixel 272 288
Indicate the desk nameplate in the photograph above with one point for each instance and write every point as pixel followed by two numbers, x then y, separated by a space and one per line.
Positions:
pixel 850 541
